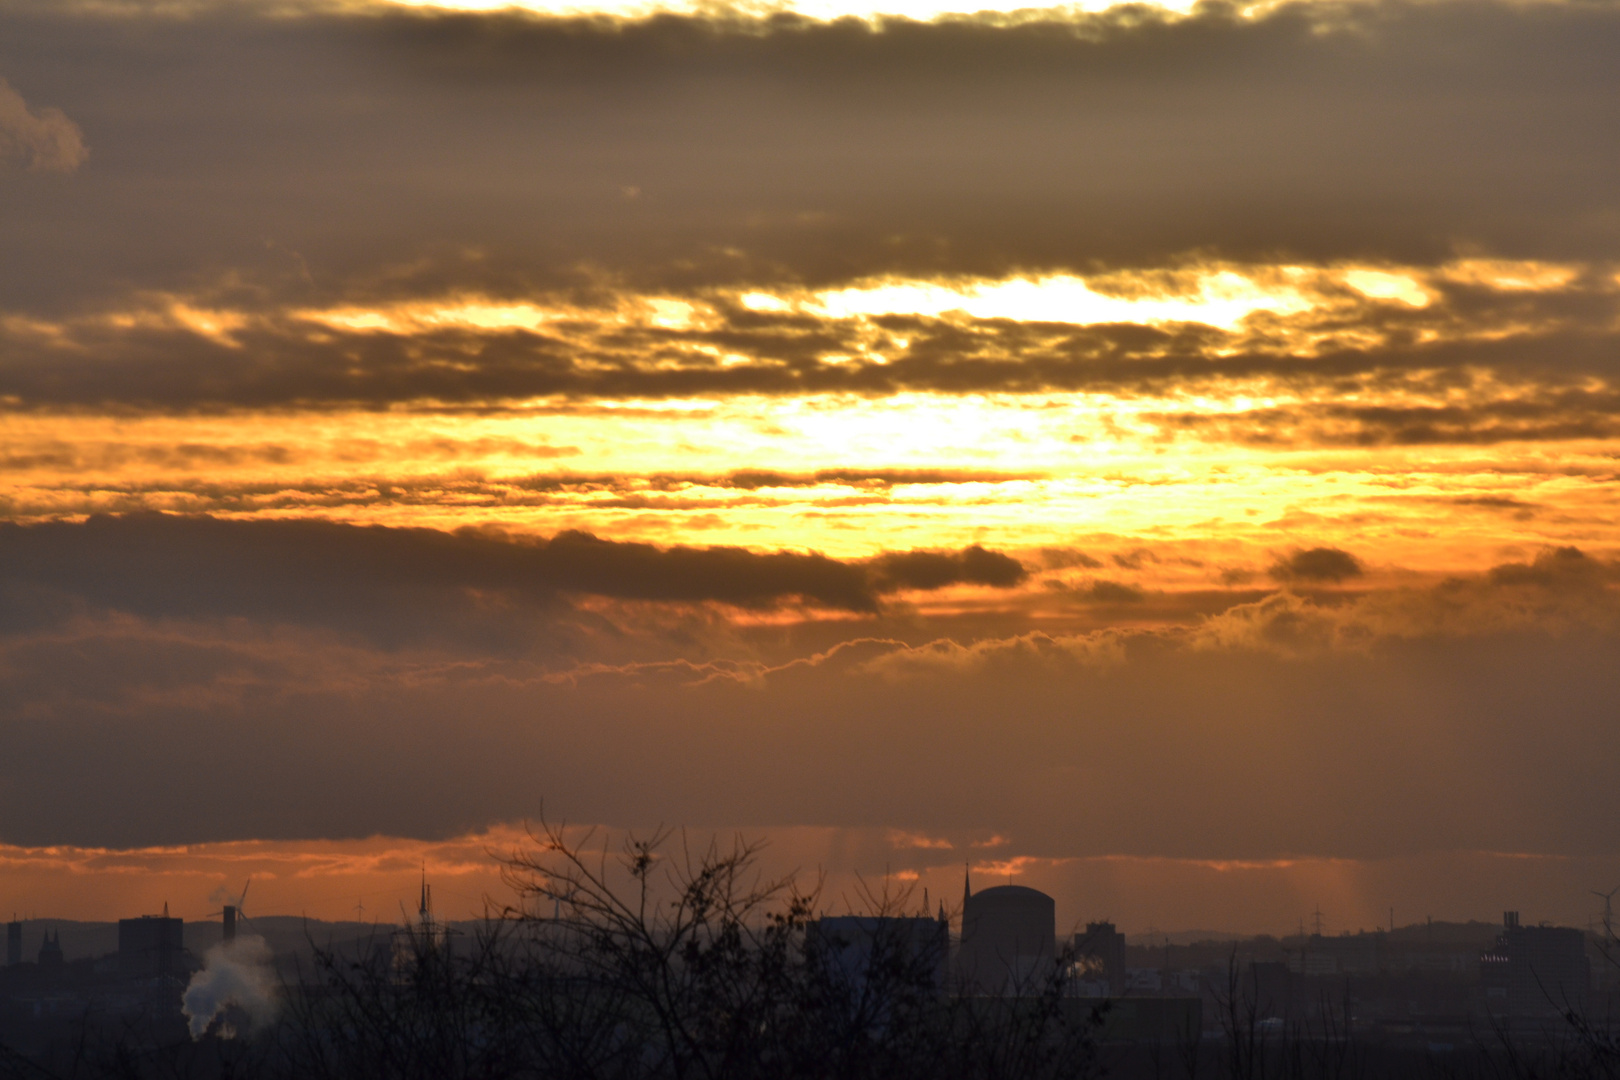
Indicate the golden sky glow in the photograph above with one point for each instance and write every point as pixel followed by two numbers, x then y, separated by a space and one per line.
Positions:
pixel 856 476
pixel 1226 297
pixel 810 9
pixel 369 880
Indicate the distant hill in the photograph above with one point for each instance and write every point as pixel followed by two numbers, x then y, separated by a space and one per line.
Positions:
pixel 1447 933
pixel 1472 933
pixel 1182 937
pixel 291 938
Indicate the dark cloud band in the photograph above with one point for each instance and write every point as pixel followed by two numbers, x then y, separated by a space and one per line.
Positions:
pixel 394 583
pixel 339 156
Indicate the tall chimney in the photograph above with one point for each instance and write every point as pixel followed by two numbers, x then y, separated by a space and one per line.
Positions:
pixel 230 923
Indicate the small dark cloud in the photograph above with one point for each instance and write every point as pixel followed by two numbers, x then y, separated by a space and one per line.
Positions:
pixel 1104 591
pixel 1494 502
pixel 893 477
pixel 935 570
pixel 1133 560
pixel 1320 564
pixel 1518 509
pixel 1557 568
pixel 1061 558
pixel 753 479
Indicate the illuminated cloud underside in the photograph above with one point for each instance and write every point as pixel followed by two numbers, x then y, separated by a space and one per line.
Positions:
pixel 810 9
pixel 908 472
pixel 1375 455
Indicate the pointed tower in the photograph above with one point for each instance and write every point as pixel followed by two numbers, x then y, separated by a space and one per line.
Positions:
pixel 959 967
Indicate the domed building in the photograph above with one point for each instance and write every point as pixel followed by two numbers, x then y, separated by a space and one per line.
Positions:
pixel 1009 940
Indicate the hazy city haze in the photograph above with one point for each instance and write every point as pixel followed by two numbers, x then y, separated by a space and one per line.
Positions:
pixel 1165 458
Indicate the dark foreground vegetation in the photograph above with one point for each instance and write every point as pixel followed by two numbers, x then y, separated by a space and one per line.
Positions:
pixel 654 962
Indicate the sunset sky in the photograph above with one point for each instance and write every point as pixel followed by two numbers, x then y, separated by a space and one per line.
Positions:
pixel 1163 455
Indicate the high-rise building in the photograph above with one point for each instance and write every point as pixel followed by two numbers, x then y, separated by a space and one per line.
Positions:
pixel 151 945
pixel 1101 950
pixel 13 942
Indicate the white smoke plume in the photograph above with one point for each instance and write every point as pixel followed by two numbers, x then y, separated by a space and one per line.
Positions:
pixel 45 138
pixel 222 895
pixel 237 973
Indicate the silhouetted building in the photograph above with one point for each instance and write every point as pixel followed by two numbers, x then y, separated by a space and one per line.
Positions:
pixel 151 945
pixel 419 947
pixel 13 943
pixel 1101 951
pixel 903 950
pixel 51 960
pixel 1535 971
pixel 1266 990
pixel 1009 939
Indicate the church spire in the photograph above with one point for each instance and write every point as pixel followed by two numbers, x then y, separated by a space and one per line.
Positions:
pixel 967 884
